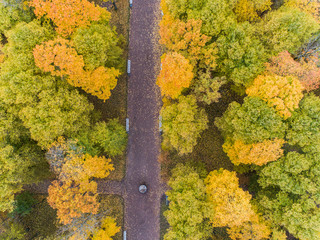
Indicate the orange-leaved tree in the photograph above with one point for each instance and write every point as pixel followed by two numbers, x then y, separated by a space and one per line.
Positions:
pixel 60 58
pixel 255 153
pixel 187 39
pixel 229 205
pixel 282 93
pixel 68 15
pixel 73 199
pixel 306 70
pixel 75 193
pixel 175 75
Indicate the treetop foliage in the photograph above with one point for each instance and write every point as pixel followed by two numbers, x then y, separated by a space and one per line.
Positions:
pixel 229 204
pixel 60 58
pixel 268 50
pixel 255 153
pixel 182 124
pixel 251 122
pixel 187 193
pixel 206 88
pixel 249 10
pixel 287 29
pixel 304 125
pixel 68 16
pixel 175 75
pixel 56 114
pixel 306 70
pixel 282 93
pixel 99 45
pixel 42 62
pixel 290 195
pixel 75 193
pixel 108 229
pixel 73 199
pixel 186 38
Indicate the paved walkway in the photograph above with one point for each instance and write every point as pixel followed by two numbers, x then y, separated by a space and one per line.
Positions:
pixel 142 211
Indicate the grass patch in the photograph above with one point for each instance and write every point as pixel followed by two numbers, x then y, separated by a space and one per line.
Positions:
pixel 164 225
pixel 40 223
pixel 119 164
pixel 114 204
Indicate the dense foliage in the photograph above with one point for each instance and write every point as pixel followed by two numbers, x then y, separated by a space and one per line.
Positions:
pixel 48 51
pixel 268 51
pixel 187 193
pixel 182 124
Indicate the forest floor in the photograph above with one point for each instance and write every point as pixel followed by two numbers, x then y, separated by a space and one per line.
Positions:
pixel 116 105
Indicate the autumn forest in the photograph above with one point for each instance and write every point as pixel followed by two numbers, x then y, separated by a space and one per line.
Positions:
pixel 240 119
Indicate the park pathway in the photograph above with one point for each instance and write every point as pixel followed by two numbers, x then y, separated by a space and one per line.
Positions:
pixel 142 211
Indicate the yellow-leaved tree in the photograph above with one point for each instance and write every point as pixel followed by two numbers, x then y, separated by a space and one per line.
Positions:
pixel 99 82
pixel 309 6
pixel 75 193
pixel 281 93
pixel 255 229
pixel 72 199
pixel 249 10
pixel 229 205
pixel 108 229
pixel 60 58
pixel 68 15
pixel 83 167
pixel 255 153
pixel 175 75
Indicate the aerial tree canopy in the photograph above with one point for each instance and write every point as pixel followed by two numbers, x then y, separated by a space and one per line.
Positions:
pixel 68 15
pixel 183 123
pixel 187 213
pixel 229 205
pixel 73 199
pixel 286 29
pixel 290 195
pixel 99 46
pixel 256 153
pixel 304 125
pixel 306 70
pixel 251 122
pixel 175 75
pixel 281 93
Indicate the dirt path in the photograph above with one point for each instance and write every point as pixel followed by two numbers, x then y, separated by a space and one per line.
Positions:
pixel 104 187
pixel 142 211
